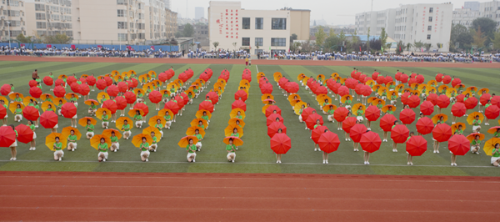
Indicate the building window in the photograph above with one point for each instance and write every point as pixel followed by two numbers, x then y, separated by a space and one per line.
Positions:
pixel 122 36
pixel 246 23
pixel 39 7
pixel 120 12
pixel 245 41
pixel 141 15
pixel 122 25
pixel 278 41
pixel 278 24
pixel 430 19
pixel 431 10
pixel 121 2
pixel 429 28
pixel 142 36
pixel 40 16
pixel 41 25
pixel 259 41
pixel 428 36
pixel 259 23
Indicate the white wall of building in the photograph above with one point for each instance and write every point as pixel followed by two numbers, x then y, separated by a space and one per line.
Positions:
pixel 464 16
pixel 491 10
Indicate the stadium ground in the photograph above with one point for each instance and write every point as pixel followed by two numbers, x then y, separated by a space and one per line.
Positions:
pixel 255 156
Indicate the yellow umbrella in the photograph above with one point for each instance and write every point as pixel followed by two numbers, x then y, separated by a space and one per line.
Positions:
pixel 164 112
pixel 455 126
pixel 373 100
pixel 233 122
pixel 345 97
pixel 430 90
pixel 12 96
pixel 152 73
pixel 83 121
pixel 436 118
pixel 137 139
pixel 490 145
pixel 304 80
pixel 70 95
pixel 421 87
pixel 399 87
pixel 4 99
pixel 59 101
pixel 322 101
pixel 320 97
pixel 300 77
pixel 184 142
pixel 266 96
pixel 392 93
pixel 234 113
pixel 96 140
pixel 293 102
pixel 432 82
pixel 471 137
pixel 414 85
pixel 199 113
pixel 171 85
pixel 244 82
pixel 13 106
pixel 62 76
pixel 67 131
pixel 50 140
pixel 356 107
pixel 298 106
pixel 46 96
pixel 154 120
pixel 277 76
pixel 333 75
pixel 101 95
pixel 376 101
pixel 442 88
pixel 107 132
pixel 376 87
pixel 480 92
pixel 260 75
pixel 328 107
pixel 386 108
pixel 115 72
pixel 391 83
pixel 147 86
pixel 191 131
pixel 138 91
pixel 370 83
pixel 195 122
pixel 472 117
pixel 164 91
pixel 458 86
pixel 45 106
pixel 320 76
pixel 264 108
pixel 100 112
pixel 236 141
pixel 450 90
pixel 90 101
pixel 118 78
pixel 268 101
pixel 381 90
pixel 27 100
pixel 293 96
pixel 150 129
pixel 229 130
pixel 133 112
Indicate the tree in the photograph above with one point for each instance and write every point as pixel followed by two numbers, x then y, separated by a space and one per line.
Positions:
pixel 320 36
pixel 496 41
pixel 439 45
pixel 332 32
pixel 383 38
pixel 479 38
pixel 487 26
pixel 332 43
pixel 295 46
pixel 368 40
pixel 427 46
pixel 387 46
pixel 418 45
pixel 178 34
pixel 21 38
pixel 355 37
pixel 58 39
pixel 293 37
pixel 375 44
pixel 215 45
pixel 188 30
pixel 408 46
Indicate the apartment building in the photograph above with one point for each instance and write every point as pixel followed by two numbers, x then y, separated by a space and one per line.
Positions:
pixel 375 21
pixel 12 18
pixel 464 16
pixel 491 10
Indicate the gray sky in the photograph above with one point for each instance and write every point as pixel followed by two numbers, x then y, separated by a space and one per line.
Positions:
pixel 338 12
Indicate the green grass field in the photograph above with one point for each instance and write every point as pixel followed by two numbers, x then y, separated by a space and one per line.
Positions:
pixel 255 156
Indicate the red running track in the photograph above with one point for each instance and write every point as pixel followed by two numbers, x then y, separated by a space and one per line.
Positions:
pixel 90 196
pixel 254 62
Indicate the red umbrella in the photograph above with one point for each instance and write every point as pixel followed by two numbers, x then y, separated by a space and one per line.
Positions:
pixel 380 79
pixel 366 90
pixel 458 109
pixel 407 116
pixel 84 89
pixel 266 88
pixel 241 94
pixel 48 119
pixel 306 112
pixel 101 84
pixel 340 114
pixel 460 98
pixel 387 122
pixel 48 81
pixel 121 103
pixel 91 80
pixel 311 120
pixel 370 142
pixel 171 105
pixel 471 103
pixel 7 136
pixel 70 80
pixel 68 110
pixel 459 145
pixel 5 90
pixel 356 132
pixel 375 75
pixel 140 106
pixel 442 132
pixel 206 106
pixel 113 90
pixel 130 97
pixel 439 77
pixel 3 112
pixel 446 79
pixel 281 143
pixel 328 142
pixel 416 146
pixel 274 127
pixel 214 97
pixel 413 101
pixel 239 104
pixel 35 92
pixel 420 79
pixel 108 80
pixel 351 83
pixel 163 77
pixel 424 125
pixel 292 87
pixel 348 123
pixel 492 112
pixel 443 101
pixel 404 78
pixel 155 96
pixel 400 133
pixel 432 98
pixel 358 89
pixel 427 108
pixel 32 83
pixel 316 133
pixel 495 100
pixel 404 98
pixel 455 82
pixel 272 118
pixel 59 91
pixel 111 105
pixel 343 90
pixel 75 87
pixel 31 113
pixel 270 110
pixel 484 98
pixel 123 87
pixel 24 133
pixel 59 82
pixel 372 113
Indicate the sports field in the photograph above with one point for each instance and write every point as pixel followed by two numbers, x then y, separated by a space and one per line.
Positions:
pixel 255 156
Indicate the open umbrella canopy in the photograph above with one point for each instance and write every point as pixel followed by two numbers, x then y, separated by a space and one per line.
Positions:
pixel 416 146
pixel 471 137
pixel 472 117
pixel 230 129
pixel 492 112
pixel 111 105
pixel 234 113
pixel 121 121
pixel 316 133
pixel 83 121
pixel 173 107
pixel 455 126
pixel 340 114
pixel 424 125
pixel 386 122
pixel 281 143
pixel 387 107
pixel 164 112
pixel 206 105
pixel 236 141
pixel 328 142
pixel 270 110
pixel 413 101
pixel 108 132
pixel 184 142
pixel 443 101
pixel 458 109
pixel 306 112
pixel 96 140
pixel 7 136
pixel 50 140
pixel 137 140
pixel 427 108
pixel 196 122
pixel 134 112
pixel 400 133
pixel 241 94
pixel 191 131
pixel 370 142
pixel 274 127
pixel 67 132
pixel 459 145
pixel 298 106
pixel 490 145
pixel 13 106
pixel 348 123
pixel 68 110
pixel 239 104
pixel 24 133
pixel 493 130
pixel 100 113
pixel 30 113
pixel 48 119
pixel 104 96
pixel 154 120
pixel 441 133
pixel 148 130
pixel 312 120
pixel 407 116
pixel 269 96
pixel 372 113
pixel 356 132
pixel 236 121
pixel 471 103
pixel 437 117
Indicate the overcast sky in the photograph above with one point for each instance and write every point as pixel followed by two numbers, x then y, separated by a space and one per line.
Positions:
pixel 337 12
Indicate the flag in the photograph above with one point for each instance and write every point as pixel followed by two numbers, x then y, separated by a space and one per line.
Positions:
pixel 153 47
pixel 360 48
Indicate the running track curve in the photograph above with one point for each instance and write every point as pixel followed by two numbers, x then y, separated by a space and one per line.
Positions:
pixel 95 196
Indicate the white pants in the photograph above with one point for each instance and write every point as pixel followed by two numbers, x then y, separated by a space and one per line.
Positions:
pixel 138 122
pixel 153 146
pixel 34 135
pixel 58 152
pixel 145 152
pixel 348 107
pixel 105 155
pixel 360 118
pixel 91 134
pixel 20 117
pixel 198 145
pixel 300 118
pixel 59 112
pixel 229 155
pixel 117 145
pixel 129 133
pixel 494 159
pixel 475 127
pixel 14 144
pixel 75 116
pixel 107 123
pixel 191 154
pixel 74 144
